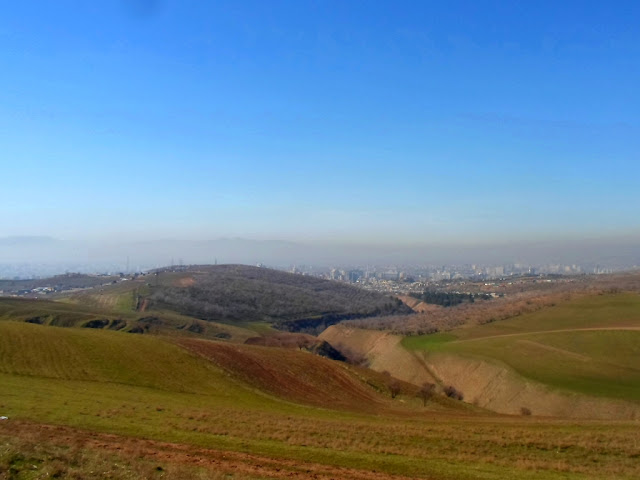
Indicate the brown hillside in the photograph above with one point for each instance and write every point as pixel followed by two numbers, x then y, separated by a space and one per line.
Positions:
pixel 383 351
pixel 484 384
pixel 296 376
pixel 418 306
pixel 283 339
pixel 500 389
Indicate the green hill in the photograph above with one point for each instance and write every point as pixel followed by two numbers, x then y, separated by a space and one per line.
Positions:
pixel 590 345
pixel 84 311
pixel 93 400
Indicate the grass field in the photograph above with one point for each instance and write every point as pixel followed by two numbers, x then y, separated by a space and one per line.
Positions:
pixel 589 346
pixel 146 389
pixel 84 311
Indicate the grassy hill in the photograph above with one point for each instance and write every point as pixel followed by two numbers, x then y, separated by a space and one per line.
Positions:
pixel 589 346
pixel 138 406
pixel 89 313
pixel 243 296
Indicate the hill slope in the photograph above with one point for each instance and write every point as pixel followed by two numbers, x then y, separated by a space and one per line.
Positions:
pixel 229 410
pixel 241 294
pixel 92 313
pixel 577 359
pixel 213 368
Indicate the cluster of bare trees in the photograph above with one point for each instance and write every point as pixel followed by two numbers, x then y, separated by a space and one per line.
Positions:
pixel 425 392
pixel 242 293
pixel 519 303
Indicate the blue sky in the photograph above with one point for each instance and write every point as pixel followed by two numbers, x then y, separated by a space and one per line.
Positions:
pixel 339 121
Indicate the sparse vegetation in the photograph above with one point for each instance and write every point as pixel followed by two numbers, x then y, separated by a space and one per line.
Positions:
pixel 452 392
pixel 448 299
pixel 253 410
pixel 242 294
pixel 537 297
pixel 426 392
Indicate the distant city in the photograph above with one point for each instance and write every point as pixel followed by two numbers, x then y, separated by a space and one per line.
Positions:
pixel 352 274
pixel 396 279
pixel 413 278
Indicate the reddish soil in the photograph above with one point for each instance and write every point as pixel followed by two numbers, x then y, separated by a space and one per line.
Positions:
pixel 143 305
pixel 291 374
pixel 284 340
pixel 173 453
pixel 185 282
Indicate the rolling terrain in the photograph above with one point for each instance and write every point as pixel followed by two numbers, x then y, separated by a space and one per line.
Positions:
pixel 138 406
pixel 138 389
pixel 90 312
pixel 242 296
pixel 574 359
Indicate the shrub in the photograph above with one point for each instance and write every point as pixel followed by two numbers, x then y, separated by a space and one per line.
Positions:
pixel 454 393
pixel 394 388
pixel 426 392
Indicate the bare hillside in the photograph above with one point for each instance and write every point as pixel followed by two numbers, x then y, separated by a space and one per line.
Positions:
pixel 240 293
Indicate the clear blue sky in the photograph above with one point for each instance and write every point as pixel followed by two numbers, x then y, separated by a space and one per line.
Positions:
pixel 359 121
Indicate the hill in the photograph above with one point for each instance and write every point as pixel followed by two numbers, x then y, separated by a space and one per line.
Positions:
pixel 497 301
pixel 162 364
pixel 94 312
pixel 577 358
pixel 81 401
pixel 243 294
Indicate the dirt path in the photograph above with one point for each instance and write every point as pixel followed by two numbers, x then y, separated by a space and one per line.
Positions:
pixel 143 305
pixel 562 351
pixel 174 453
pixel 564 330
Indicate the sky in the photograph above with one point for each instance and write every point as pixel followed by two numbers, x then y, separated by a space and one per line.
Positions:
pixel 335 122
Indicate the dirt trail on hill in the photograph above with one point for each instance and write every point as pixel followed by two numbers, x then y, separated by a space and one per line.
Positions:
pixel 143 305
pixel 174 453
pixel 564 330
pixel 487 385
pixel 562 351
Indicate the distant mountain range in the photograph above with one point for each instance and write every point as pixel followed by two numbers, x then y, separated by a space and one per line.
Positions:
pixel 612 251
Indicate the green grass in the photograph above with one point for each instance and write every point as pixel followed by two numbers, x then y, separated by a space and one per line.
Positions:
pixel 103 356
pixel 431 343
pixel 77 312
pixel 261 328
pixel 143 386
pixel 444 448
pixel 594 362
pixel 595 311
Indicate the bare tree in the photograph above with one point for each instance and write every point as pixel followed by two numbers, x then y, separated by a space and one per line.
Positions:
pixel 394 387
pixel 426 392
